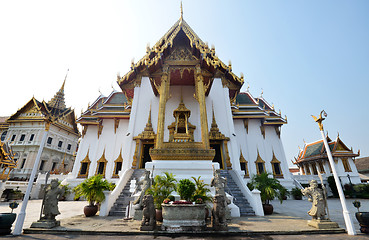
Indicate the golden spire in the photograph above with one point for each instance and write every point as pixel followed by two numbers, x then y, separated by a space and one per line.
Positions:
pixel 181 11
pixel 58 100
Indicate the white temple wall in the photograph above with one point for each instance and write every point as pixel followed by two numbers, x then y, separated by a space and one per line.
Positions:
pixel 219 99
pixel 256 143
pixel 242 143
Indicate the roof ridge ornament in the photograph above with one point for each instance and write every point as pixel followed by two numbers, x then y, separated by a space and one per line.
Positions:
pixel 181 11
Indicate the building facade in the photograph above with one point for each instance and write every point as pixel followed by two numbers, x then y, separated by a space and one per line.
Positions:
pixel 180 110
pixel 26 128
pixel 313 159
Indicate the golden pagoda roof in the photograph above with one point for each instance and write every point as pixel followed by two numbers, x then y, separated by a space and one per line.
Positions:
pixel 316 150
pixel 54 111
pixel 6 156
pixel 195 52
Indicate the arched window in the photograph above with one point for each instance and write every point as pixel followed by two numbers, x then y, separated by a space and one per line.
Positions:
pixel 276 166
pixel 118 163
pixel 260 165
pixel 243 165
pixel 85 165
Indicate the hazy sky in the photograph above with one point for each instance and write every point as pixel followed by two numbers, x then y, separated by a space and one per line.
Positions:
pixel 305 55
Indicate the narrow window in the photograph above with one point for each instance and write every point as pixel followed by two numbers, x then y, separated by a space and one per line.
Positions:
pixel 101 168
pixel 244 168
pixel 315 172
pixel 53 166
pixel 22 137
pixel 23 162
pixel 32 137
pixel 3 135
pixel 321 167
pixel 42 165
pixel 83 168
pixel 49 140
pixel 261 168
pixel 277 168
pixel 118 167
pixel 60 143
pixel 69 147
pixel 13 138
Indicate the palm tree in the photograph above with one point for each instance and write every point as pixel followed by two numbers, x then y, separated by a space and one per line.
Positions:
pixel 269 188
pixel 92 189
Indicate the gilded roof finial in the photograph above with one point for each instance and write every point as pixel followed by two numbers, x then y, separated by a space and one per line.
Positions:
pixel 62 87
pixel 262 92
pixel 181 11
pixel 248 86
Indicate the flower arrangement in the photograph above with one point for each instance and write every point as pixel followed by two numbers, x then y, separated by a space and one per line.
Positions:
pixel 199 201
pixel 166 201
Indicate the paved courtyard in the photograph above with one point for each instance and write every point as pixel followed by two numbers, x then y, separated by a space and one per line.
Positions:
pixel 291 216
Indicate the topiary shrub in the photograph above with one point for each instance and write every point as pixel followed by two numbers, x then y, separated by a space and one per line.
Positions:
pixel 186 189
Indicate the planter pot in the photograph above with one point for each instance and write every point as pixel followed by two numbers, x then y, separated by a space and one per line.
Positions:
pixel 363 219
pixel 6 221
pixel 90 210
pixel 183 217
pixel 268 209
pixel 159 215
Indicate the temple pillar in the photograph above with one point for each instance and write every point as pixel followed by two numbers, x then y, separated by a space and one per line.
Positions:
pixel 163 91
pixel 200 96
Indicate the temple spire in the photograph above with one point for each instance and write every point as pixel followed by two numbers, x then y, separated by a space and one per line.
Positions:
pixel 58 100
pixel 181 11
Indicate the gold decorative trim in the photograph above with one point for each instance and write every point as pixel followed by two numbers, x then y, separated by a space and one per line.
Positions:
pixel 99 129
pixel 262 130
pixel 346 164
pixel 87 161
pixel 246 125
pixel 134 162
pixel 116 124
pixel 182 154
pixel 278 131
pixel 84 130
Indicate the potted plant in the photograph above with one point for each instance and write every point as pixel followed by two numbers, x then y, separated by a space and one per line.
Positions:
pixel 92 189
pixel 296 193
pixel 362 217
pixel 269 188
pixel 7 219
pixel 186 189
pixel 161 188
pixel 202 192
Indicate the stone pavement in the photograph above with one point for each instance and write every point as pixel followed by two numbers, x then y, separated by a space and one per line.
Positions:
pixel 289 218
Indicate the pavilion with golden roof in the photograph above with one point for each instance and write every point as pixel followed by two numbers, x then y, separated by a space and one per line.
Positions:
pixel 180 110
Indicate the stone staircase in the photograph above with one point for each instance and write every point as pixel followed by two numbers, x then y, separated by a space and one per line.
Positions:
pixel 120 205
pixel 238 197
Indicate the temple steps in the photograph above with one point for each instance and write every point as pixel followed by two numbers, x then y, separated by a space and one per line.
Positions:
pixel 120 205
pixel 238 197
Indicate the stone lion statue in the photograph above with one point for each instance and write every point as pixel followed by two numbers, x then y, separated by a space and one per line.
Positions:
pixel 219 221
pixel 149 215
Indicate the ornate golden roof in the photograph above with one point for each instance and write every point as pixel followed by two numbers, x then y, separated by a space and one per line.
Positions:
pixel 183 42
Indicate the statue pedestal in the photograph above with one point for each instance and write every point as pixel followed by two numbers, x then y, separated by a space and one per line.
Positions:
pixel 138 216
pixel 45 224
pixel 323 224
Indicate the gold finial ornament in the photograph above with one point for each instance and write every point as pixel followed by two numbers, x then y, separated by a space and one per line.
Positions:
pixel 181 11
pixel 320 119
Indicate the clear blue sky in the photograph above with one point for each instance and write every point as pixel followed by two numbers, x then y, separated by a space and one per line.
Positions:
pixel 305 55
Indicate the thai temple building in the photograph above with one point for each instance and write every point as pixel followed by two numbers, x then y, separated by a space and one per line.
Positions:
pixel 180 110
pixel 313 159
pixel 26 128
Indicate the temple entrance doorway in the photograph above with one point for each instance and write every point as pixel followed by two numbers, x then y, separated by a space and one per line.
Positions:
pixel 145 154
pixel 218 154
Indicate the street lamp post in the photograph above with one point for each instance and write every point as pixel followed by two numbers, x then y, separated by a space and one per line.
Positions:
pixel 346 214
pixel 21 216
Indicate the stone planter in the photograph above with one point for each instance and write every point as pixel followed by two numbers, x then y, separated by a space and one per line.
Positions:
pixel 90 210
pixel 6 221
pixel 363 219
pixel 183 217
